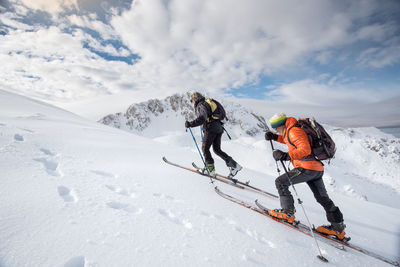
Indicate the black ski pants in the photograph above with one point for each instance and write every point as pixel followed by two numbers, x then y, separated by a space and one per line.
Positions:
pixel 316 184
pixel 213 139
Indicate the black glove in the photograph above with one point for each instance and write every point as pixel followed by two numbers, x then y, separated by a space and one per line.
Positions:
pixel 187 124
pixel 280 155
pixel 271 136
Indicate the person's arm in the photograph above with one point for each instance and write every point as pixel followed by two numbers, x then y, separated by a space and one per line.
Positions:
pixel 280 139
pixel 201 118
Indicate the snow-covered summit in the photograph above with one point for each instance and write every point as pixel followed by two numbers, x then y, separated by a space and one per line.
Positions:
pixel 154 117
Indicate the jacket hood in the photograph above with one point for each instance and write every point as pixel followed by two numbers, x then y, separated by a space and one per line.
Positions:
pixel 290 121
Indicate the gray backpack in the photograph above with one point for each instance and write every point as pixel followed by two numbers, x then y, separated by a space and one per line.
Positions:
pixel 322 145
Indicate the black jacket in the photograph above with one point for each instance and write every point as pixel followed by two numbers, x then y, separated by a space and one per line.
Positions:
pixel 203 111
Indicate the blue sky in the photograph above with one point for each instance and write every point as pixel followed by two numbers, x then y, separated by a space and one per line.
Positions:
pixel 323 52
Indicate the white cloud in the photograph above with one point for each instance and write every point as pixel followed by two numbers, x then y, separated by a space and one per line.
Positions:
pixel 54 7
pixel 53 65
pixel 312 92
pixel 379 57
pixel 92 23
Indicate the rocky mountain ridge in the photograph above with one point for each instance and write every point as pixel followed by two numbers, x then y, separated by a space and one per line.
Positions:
pixel 139 117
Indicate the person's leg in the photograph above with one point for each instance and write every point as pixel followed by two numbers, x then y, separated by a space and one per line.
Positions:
pixel 333 213
pixel 234 167
pixel 217 148
pixel 282 184
pixel 208 140
pixel 297 175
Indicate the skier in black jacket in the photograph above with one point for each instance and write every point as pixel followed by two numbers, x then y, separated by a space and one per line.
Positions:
pixel 213 130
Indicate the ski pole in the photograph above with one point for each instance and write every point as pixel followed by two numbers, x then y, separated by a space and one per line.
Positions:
pixel 194 139
pixel 201 133
pixel 276 163
pixel 204 162
pixel 322 258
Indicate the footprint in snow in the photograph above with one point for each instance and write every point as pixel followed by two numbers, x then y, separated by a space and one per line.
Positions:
pixel 50 162
pixel 18 137
pixel 79 261
pixel 50 165
pixel 67 194
pixel 172 217
pixel 121 191
pixel 125 207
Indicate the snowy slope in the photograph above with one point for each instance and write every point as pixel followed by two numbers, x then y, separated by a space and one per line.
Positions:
pixel 78 193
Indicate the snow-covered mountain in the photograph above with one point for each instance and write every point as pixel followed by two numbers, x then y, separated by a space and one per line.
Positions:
pixel 77 193
pixel 155 117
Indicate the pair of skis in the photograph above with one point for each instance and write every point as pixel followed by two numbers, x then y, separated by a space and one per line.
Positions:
pixel 330 240
pixel 225 179
pixel 259 208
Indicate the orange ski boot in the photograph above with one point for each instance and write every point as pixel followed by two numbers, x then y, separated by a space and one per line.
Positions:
pixel 335 229
pixel 287 215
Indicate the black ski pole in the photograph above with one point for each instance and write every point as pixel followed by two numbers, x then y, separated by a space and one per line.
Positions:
pixel 322 258
pixel 277 168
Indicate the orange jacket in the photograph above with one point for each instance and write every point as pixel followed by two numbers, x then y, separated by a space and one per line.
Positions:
pixel 301 146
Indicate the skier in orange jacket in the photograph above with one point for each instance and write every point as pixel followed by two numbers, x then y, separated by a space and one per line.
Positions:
pixel 306 169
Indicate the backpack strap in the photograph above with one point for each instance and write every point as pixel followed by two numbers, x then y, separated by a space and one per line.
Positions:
pixel 287 133
pixel 308 157
pixel 227 133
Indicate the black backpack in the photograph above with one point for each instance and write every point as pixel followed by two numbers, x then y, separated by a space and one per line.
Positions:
pixel 322 145
pixel 217 110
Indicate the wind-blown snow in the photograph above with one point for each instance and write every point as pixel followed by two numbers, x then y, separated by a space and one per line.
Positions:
pixel 78 193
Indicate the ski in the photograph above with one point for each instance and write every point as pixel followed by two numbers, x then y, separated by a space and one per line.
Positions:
pixel 223 179
pixel 203 174
pixel 342 245
pixel 244 184
pixel 296 225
